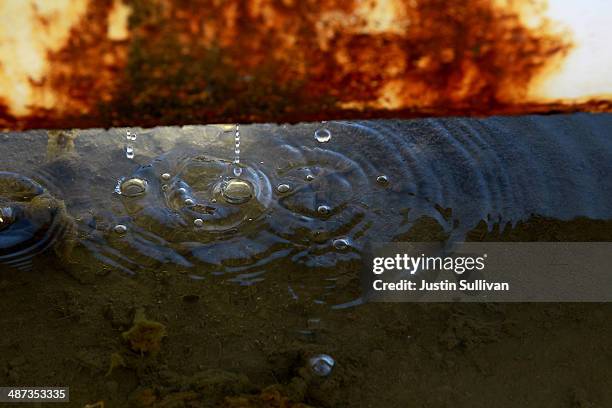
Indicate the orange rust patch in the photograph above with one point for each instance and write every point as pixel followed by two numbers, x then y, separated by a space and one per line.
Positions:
pixel 205 61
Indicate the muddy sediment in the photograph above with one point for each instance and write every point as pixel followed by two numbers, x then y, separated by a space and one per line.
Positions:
pixel 223 340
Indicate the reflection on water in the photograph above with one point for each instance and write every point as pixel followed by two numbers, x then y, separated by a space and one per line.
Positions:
pixel 31 220
pixel 307 198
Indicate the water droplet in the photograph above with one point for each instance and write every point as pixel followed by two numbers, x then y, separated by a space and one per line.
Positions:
pixel 120 229
pixel 383 180
pixel 165 187
pixel 322 365
pixel 130 135
pixel 133 187
pixel 309 177
pixel 237 170
pixel 198 222
pixel 189 202
pixel 341 244
pixel 182 190
pixel 322 135
pixel 236 191
pixel 129 151
pixel 283 188
pixel 166 176
pixel 324 209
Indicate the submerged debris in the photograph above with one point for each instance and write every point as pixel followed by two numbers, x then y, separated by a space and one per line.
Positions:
pixel 116 361
pixel 145 336
pixel 270 397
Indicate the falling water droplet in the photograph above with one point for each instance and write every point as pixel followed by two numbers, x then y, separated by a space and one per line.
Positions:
pixel 283 188
pixel 341 244
pixel 237 170
pixel 198 222
pixel 129 151
pixel 130 136
pixel 166 176
pixel 309 177
pixel 189 202
pixel 322 135
pixel 182 190
pixel 322 365
pixel 382 180
pixel 324 209
pixel 120 229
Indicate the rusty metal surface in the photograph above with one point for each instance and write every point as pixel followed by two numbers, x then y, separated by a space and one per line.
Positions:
pixel 207 61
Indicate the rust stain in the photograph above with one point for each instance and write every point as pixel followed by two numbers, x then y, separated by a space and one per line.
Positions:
pixel 153 62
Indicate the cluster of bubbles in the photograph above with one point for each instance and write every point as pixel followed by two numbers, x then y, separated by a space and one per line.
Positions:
pixel 225 214
pixel 300 199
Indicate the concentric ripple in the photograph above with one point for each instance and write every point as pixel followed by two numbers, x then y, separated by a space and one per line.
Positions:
pixel 309 207
pixel 31 220
pixel 182 198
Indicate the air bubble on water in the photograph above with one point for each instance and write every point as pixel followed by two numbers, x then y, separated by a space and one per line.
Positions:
pixel 341 244
pixel 321 365
pixel 166 176
pixel 189 202
pixel 237 191
pixel 198 222
pixel 165 187
pixel 129 151
pixel 324 209
pixel 283 188
pixel 120 229
pixel 382 180
pixel 322 135
pixel 133 187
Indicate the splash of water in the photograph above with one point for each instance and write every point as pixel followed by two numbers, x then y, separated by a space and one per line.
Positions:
pixel 236 167
pixel 129 147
